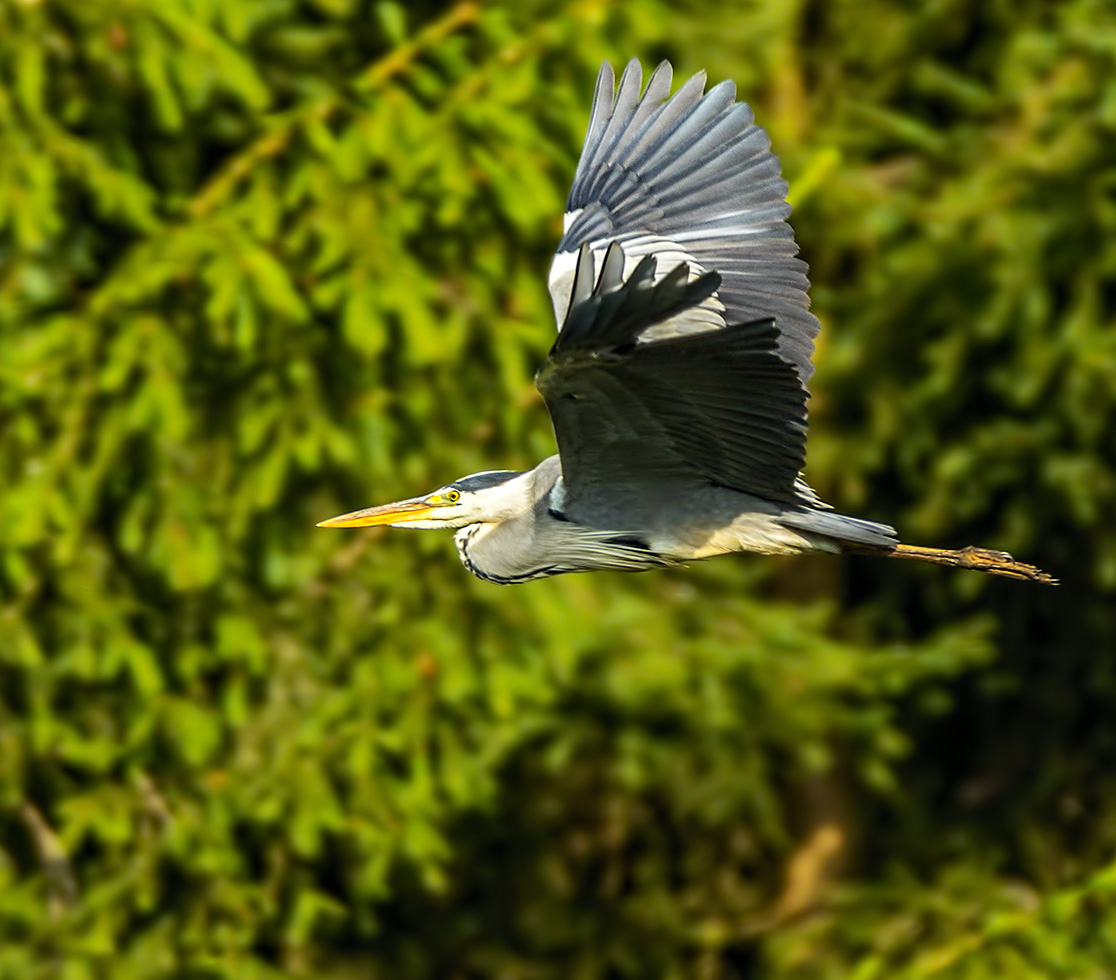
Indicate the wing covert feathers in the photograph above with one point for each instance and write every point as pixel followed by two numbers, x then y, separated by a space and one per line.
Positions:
pixel 615 313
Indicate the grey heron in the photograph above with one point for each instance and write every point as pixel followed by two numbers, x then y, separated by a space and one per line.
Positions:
pixel 677 382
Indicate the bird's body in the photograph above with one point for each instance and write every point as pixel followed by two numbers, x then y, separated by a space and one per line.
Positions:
pixel 677 383
pixel 538 538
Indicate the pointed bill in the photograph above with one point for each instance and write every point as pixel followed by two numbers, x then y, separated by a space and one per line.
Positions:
pixel 401 510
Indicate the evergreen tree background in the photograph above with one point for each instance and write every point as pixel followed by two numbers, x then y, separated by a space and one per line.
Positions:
pixel 263 261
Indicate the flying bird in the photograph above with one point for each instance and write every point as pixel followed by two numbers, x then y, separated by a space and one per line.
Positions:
pixel 677 382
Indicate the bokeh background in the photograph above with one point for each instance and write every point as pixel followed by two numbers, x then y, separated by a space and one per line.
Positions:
pixel 264 261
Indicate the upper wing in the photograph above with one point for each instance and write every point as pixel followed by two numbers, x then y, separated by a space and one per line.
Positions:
pixel 718 406
pixel 689 179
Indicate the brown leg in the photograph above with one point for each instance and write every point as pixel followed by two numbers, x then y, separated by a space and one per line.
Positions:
pixel 979 559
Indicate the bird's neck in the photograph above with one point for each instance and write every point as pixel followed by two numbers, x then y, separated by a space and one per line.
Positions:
pixel 510 549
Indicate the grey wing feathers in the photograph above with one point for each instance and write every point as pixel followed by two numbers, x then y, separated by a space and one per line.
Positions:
pixel 735 410
pixel 691 178
pixel 720 407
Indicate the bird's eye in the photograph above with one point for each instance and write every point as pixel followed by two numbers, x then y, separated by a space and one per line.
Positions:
pixel 453 496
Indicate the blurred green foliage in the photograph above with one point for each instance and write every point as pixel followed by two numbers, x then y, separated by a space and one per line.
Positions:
pixel 262 261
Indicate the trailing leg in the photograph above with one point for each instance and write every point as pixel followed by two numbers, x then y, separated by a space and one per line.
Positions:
pixel 978 559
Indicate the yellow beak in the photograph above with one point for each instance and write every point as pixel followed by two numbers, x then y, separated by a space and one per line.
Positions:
pixel 403 510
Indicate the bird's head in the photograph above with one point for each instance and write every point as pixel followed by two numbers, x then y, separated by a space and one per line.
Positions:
pixel 481 498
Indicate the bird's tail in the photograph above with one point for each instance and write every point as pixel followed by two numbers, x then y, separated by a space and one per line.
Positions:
pixel 979 559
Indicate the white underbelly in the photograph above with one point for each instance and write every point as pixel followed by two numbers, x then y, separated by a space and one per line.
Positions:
pixel 751 531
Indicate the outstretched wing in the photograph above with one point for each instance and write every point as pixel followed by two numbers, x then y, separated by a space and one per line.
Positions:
pixel 719 407
pixel 689 179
